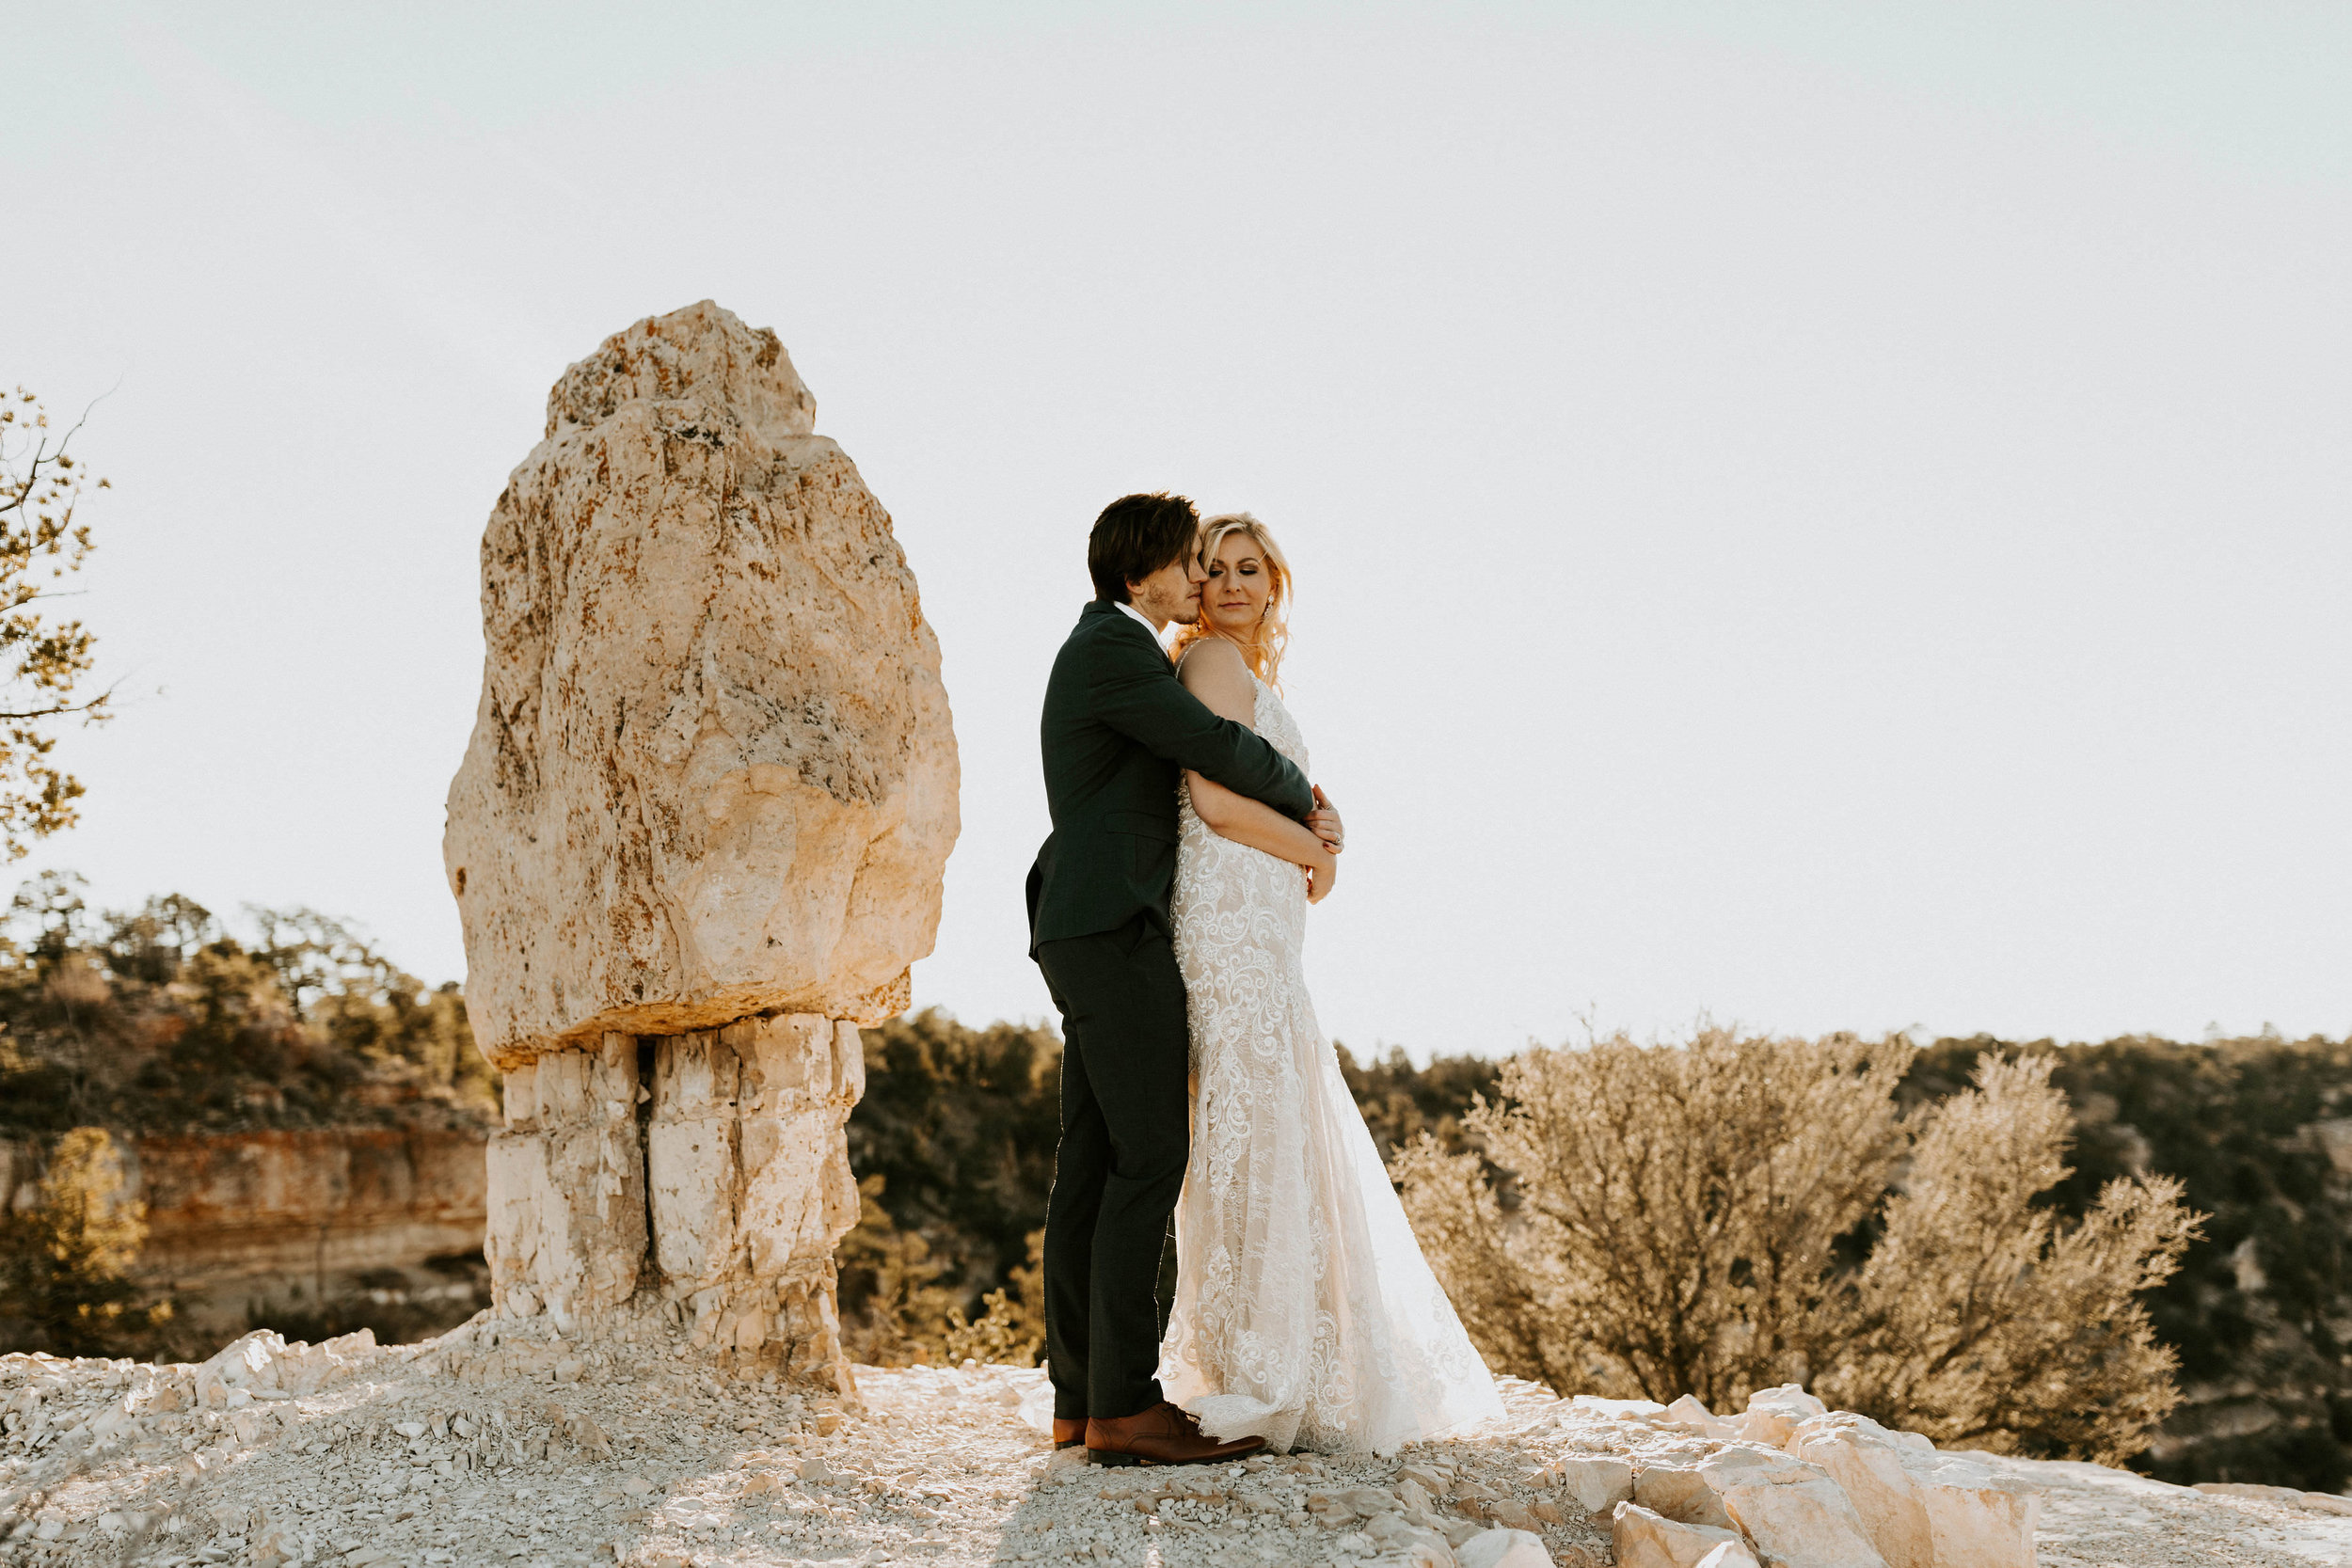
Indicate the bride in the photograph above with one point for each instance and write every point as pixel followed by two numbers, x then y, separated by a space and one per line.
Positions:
pixel 1304 1310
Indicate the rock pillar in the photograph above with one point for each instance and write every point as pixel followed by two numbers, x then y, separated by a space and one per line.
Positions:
pixel 696 841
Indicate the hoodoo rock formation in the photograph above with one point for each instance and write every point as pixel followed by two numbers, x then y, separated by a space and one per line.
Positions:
pixel 696 840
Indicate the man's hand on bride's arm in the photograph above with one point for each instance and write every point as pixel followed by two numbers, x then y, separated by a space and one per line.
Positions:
pixel 1325 822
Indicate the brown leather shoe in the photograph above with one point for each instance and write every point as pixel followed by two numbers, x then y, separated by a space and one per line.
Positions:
pixel 1068 1433
pixel 1163 1434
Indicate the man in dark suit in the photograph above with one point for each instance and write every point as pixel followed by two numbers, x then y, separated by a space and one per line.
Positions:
pixel 1118 729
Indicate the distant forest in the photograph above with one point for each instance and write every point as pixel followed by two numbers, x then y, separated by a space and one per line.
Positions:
pixel 955 1139
pixel 162 1019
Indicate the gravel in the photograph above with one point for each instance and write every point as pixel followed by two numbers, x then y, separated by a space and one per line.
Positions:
pixel 503 1446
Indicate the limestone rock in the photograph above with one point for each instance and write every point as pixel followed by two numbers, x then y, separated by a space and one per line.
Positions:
pixel 741 1194
pixel 1503 1548
pixel 1689 1414
pixel 697 839
pixel 1977 1519
pixel 1792 1512
pixel 1595 1485
pixel 1731 1554
pixel 712 773
pixel 1646 1539
pixel 1864 1459
pixel 1921 1509
pixel 1419 1545
pixel 1681 1494
pixel 567 1198
pixel 1772 1414
pixel 262 1364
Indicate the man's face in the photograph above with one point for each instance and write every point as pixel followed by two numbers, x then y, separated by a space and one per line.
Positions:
pixel 1172 593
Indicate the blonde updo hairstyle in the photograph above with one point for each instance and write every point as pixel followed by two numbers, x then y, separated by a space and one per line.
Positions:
pixel 1264 654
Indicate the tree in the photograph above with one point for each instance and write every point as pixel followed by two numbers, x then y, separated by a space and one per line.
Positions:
pixel 159 1020
pixel 64 1261
pixel 962 1122
pixel 1718 1217
pixel 1399 1099
pixel 894 1310
pixel 42 661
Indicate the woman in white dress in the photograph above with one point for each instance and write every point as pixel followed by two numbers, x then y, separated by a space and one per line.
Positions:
pixel 1304 1312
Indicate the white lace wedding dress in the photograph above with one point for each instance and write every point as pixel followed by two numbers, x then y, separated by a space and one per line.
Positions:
pixel 1305 1312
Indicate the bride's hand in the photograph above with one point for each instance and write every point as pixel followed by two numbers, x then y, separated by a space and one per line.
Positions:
pixel 1320 877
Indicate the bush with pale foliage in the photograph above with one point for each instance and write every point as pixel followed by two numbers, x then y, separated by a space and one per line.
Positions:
pixel 1737 1213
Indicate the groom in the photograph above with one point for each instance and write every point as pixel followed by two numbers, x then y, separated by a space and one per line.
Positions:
pixel 1118 728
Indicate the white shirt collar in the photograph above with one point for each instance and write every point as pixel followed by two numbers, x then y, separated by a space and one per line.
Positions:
pixel 1142 620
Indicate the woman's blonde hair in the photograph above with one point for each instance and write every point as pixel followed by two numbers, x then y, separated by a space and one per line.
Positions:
pixel 1264 654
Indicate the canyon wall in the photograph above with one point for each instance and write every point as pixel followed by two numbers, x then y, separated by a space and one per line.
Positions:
pixel 288 1225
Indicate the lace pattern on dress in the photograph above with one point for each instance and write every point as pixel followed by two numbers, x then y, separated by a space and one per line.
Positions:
pixel 1303 1312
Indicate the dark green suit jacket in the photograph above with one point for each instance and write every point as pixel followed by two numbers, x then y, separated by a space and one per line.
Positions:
pixel 1119 727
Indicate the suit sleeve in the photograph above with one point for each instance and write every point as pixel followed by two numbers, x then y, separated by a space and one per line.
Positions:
pixel 1137 694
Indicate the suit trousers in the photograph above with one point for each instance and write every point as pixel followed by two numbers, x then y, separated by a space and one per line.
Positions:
pixel 1125 1137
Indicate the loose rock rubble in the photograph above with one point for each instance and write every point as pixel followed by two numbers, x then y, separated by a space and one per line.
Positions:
pixel 504 1443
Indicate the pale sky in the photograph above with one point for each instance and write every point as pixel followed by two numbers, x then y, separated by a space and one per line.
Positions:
pixel 1823 517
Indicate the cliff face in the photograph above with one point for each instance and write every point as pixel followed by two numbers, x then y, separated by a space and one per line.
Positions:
pixel 302 1205
pixel 301 1224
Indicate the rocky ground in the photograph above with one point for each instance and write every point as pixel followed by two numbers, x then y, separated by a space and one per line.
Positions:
pixel 501 1443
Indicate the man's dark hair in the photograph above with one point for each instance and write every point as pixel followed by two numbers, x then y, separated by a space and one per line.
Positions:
pixel 1135 537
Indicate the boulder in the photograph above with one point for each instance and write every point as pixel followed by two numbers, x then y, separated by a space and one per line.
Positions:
pixel 712 773
pixel 1503 1548
pixel 1772 1414
pixel 1922 1509
pixel 1792 1512
pixel 1644 1538
pixel 1689 1414
pixel 1864 1459
pixel 1977 1519
pixel 695 840
pixel 1681 1494
pixel 1595 1485
pixel 1731 1554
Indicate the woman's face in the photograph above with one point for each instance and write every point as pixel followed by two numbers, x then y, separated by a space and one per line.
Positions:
pixel 1240 584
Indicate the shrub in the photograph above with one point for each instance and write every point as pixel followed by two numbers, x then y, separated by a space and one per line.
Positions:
pixel 961 1123
pixel 1985 1321
pixel 64 1261
pixel 1012 1330
pixel 2254 1127
pixel 1736 1213
pixel 893 1311
pixel 1400 1100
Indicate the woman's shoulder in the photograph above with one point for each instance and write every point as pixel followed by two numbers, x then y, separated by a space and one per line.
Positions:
pixel 1213 656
